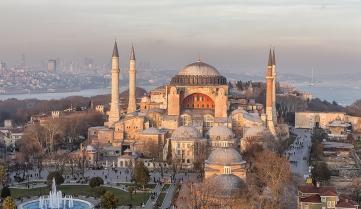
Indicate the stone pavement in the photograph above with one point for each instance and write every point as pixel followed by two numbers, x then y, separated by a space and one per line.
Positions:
pixel 153 198
pixel 167 202
pixel 299 152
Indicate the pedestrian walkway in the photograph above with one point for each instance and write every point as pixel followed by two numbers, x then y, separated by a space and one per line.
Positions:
pixel 167 202
pixel 151 201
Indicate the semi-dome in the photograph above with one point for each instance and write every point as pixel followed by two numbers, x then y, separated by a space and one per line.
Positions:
pixel 199 73
pixel 225 156
pixel 226 184
pixel 199 68
pixel 220 133
pixel 186 132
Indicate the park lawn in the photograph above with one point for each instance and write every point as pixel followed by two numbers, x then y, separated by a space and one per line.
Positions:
pixel 165 187
pixel 83 190
pixel 160 200
pixel 147 186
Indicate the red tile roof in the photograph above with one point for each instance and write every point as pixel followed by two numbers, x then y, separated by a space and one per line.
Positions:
pixel 344 204
pixel 313 199
pixel 322 190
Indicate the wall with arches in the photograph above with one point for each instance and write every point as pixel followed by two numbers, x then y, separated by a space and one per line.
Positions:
pixel 197 101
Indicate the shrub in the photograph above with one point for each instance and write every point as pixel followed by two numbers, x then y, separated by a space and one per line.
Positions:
pixel 59 179
pixel 5 192
pixel 96 181
pixel 99 191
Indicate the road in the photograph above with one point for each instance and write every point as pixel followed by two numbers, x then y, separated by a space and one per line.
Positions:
pixel 299 152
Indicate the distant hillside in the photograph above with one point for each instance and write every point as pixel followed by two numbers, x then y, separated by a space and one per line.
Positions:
pixel 21 110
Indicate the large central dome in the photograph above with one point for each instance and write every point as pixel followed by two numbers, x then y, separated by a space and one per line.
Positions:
pixel 199 69
pixel 198 73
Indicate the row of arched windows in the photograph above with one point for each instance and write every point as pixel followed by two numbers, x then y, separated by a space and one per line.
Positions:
pixel 195 79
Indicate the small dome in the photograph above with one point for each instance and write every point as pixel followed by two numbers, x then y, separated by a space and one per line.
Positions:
pixel 220 133
pixel 151 131
pixel 199 68
pixel 226 184
pixel 186 132
pixel 254 131
pixel 225 156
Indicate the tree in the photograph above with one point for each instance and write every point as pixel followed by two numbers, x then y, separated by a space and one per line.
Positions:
pixel 96 182
pixel 2 174
pixel 169 152
pixel 273 172
pixel 59 179
pixel 5 192
pixel 33 144
pixel 131 190
pixel 109 201
pixel 320 172
pixel 356 187
pixel 141 174
pixel 9 203
pixel 53 128
pixel 99 191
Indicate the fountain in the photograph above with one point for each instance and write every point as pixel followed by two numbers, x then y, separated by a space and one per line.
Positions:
pixel 55 200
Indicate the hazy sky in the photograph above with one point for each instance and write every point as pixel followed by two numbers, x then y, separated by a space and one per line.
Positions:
pixel 231 35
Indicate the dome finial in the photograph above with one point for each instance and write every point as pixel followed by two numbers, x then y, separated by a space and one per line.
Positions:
pixel 199 57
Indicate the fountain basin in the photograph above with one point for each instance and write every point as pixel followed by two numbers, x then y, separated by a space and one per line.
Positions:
pixel 78 204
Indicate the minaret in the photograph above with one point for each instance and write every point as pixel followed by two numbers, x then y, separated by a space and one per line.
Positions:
pixel 132 105
pixel 114 112
pixel 269 94
pixel 274 113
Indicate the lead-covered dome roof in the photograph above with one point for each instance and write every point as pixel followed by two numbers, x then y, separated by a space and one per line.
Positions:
pixel 198 73
pixel 186 133
pixel 199 68
pixel 220 133
pixel 225 184
pixel 225 156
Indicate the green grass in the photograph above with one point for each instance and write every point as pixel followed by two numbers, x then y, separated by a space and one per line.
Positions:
pixel 160 200
pixel 83 190
pixel 165 187
pixel 147 186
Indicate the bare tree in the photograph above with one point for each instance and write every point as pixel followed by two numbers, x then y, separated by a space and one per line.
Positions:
pixel 273 174
pixel 53 128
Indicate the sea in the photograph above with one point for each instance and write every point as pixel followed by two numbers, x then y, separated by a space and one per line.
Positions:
pixel 343 95
pixel 61 95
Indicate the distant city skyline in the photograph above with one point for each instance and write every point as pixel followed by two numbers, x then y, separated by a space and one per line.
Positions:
pixel 231 35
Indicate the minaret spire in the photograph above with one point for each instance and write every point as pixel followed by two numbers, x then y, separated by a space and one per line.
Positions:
pixel 114 113
pixel 273 57
pixel 115 50
pixel 270 93
pixel 132 103
pixel 270 58
pixel 132 54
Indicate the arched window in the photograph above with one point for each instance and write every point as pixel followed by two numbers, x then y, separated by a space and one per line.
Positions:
pixel 227 170
pixel 186 120
pixel 208 121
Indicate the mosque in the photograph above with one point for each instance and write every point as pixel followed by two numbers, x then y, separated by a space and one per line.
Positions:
pixel 194 119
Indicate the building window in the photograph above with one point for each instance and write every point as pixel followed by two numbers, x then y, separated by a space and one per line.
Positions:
pixel 186 120
pixel 208 121
pixel 331 204
pixel 227 170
